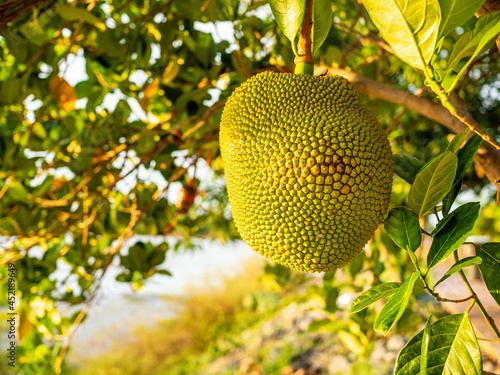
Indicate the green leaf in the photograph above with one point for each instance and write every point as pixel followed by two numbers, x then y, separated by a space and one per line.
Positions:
pixel 407 167
pixel 16 44
pixel 403 228
pixel 432 183
pixel 457 141
pixel 33 32
pixel 453 349
pixel 455 13
pixel 331 295
pixel 454 233
pixel 289 15
pixel 440 225
pixel 468 42
pixel 409 27
pixel 17 192
pixel 490 267
pixel 322 22
pixel 463 47
pixel 424 352
pixel 465 159
pixel 373 295
pixel 466 156
pixel 333 56
pixel 39 130
pixel 489 28
pixel 396 305
pixel 450 197
pixel 462 263
pixel 10 91
pixel 72 13
pixel 163 272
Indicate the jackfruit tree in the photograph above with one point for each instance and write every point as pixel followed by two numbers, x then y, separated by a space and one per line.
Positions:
pixel 357 139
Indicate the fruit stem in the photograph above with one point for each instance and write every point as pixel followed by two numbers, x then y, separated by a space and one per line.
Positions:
pixel 304 61
pixel 304 68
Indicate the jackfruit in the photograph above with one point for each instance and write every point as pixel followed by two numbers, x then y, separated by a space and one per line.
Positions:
pixel 308 169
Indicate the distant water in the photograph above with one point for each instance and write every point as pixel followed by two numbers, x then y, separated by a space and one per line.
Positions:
pixel 119 308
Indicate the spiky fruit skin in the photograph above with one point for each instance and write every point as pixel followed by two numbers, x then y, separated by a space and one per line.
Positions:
pixel 308 169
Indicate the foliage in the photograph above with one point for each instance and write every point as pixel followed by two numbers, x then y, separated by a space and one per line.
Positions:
pixel 450 232
pixel 90 158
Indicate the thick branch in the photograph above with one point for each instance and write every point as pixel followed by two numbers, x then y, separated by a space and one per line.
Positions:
pixel 487 158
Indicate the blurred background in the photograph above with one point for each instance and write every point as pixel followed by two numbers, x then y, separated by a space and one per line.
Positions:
pixel 113 204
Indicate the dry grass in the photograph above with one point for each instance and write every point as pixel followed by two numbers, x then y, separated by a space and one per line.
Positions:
pixel 209 310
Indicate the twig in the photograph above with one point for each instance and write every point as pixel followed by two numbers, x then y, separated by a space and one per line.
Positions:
pixel 204 118
pixel 241 60
pixel 438 297
pixel 40 52
pixel 488 340
pixel 8 181
pixel 488 318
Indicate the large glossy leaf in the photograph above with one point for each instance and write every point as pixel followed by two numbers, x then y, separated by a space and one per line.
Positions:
pixel 407 167
pixel 450 197
pixel 462 263
pixel 396 305
pixel 466 155
pixel 453 349
pixel 289 15
pixel 486 37
pixel 453 234
pixel 409 27
pixel 468 42
pixel 465 159
pixel 457 141
pixel 432 183
pixel 403 228
pixel 322 16
pixel 455 13
pixel 424 351
pixel 440 225
pixel 373 295
pixel 490 267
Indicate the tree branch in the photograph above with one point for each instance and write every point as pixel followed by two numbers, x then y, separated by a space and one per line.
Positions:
pixel 487 158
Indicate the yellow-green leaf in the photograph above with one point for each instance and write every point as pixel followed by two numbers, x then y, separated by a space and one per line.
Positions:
pixel 409 27
pixel 453 345
pixel 453 234
pixel 396 305
pixel 289 15
pixel 372 295
pixel 490 267
pixel 322 22
pixel 72 13
pixel 455 13
pixel 432 183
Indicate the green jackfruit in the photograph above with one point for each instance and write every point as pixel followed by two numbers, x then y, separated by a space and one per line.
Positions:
pixel 308 169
